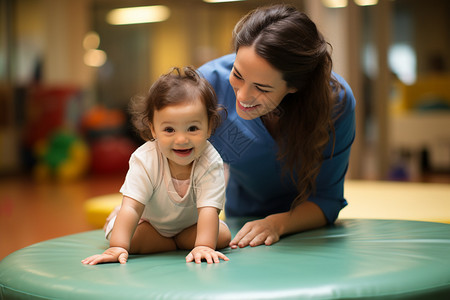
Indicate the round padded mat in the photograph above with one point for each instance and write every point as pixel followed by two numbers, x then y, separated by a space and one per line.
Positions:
pixel 353 259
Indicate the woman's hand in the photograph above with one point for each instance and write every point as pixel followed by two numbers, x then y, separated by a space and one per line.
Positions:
pixel 255 233
pixel 200 252
pixel 268 231
pixel 113 254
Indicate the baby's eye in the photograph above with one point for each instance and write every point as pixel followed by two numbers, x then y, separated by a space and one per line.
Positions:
pixel 169 130
pixel 193 128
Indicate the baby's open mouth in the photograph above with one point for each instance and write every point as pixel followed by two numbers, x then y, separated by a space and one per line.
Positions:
pixel 183 152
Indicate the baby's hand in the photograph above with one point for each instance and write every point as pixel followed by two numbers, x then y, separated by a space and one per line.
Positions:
pixel 207 253
pixel 113 254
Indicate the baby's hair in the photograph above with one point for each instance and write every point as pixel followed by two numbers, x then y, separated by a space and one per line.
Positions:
pixel 177 86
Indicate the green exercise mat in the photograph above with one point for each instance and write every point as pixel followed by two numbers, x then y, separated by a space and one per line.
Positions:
pixel 376 259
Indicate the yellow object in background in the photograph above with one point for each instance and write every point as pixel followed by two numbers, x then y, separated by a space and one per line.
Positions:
pixel 428 92
pixel 98 208
pixel 77 164
pixel 64 156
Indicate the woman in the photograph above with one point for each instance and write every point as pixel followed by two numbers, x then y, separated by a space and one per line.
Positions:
pixel 289 129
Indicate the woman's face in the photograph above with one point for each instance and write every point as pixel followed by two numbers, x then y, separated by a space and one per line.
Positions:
pixel 259 87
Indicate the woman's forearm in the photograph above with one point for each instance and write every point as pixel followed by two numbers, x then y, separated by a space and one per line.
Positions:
pixel 304 217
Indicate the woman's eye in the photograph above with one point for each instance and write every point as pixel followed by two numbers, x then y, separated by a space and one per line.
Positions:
pixel 261 90
pixel 169 129
pixel 193 128
pixel 237 76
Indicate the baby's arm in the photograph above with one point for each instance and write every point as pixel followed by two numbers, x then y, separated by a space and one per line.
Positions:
pixel 206 240
pixel 124 227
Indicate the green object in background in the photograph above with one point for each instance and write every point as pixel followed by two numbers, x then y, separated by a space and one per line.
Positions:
pixel 64 156
pixel 58 148
pixel 375 259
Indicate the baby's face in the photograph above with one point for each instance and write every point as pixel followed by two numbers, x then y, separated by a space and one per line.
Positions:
pixel 181 132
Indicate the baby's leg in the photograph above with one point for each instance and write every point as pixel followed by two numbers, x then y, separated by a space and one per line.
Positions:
pixel 147 240
pixel 186 239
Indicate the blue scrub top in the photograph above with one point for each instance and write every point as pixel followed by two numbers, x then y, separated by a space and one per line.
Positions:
pixel 258 186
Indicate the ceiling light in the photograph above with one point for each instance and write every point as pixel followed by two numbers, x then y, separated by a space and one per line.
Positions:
pixel 220 1
pixel 335 3
pixel 95 58
pixel 366 2
pixel 91 40
pixel 138 15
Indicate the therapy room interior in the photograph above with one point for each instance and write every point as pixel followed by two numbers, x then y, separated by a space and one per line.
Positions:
pixel 69 68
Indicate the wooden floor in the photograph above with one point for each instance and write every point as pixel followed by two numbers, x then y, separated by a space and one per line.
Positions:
pixel 31 212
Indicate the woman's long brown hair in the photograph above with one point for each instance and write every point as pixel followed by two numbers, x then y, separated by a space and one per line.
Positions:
pixel 291 43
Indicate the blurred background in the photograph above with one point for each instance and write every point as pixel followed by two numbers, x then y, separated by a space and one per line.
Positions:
pixel 69 68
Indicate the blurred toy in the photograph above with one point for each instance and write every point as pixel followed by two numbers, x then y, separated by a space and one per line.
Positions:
pixel 100 121
pixel 111 155
pixel 48 109
pixel 105 131
pixel 64 156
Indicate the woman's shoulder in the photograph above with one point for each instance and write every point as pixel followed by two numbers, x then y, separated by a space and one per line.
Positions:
pixel 218 66
pixel 346 96
pixel 218 70
pixel 344 123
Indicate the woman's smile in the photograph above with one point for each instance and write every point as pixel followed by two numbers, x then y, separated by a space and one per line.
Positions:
pixel 245 106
